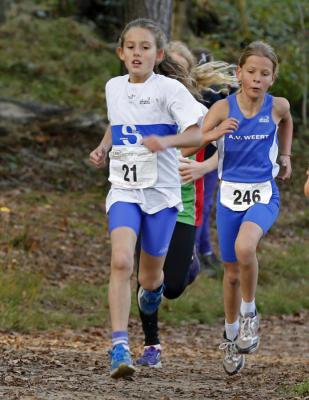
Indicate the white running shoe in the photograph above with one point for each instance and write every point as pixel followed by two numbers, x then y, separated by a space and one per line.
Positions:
pixel 248 339
pixel 233 361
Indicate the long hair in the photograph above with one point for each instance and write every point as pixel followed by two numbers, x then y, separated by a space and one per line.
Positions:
pixel 170 68
pixel 205 75
pixel 218 74
pixel 175 46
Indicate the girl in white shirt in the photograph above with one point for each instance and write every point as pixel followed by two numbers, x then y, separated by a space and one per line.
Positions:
pixel 145 193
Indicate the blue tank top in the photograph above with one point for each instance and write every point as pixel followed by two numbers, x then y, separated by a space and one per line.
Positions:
pixel 249 154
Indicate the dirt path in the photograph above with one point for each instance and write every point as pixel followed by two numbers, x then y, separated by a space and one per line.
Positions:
pixel 71 365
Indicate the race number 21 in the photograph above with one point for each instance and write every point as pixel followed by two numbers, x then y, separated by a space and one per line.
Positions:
pixel 129 173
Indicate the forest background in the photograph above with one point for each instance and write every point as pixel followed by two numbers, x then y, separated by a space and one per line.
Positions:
pixel 55 57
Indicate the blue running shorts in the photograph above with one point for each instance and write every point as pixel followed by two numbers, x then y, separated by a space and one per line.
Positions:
pixel 156 229
pixel 229 221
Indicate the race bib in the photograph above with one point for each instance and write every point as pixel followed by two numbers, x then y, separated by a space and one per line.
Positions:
pixel 241 196
pixel 133 167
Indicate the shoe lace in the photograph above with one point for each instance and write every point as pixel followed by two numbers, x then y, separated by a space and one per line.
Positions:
pixel 150 352
pixel 230 349
pixel 246 328
pixel 117 353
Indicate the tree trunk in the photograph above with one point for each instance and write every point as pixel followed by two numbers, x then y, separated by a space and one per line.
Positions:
pixel 4 6
pixel 179 19
pixel 158 10
pixel 242 6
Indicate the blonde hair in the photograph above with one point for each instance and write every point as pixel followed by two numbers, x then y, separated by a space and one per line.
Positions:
pixel 215 73
pixel 259 48
pixel 182 50
pixel 203 76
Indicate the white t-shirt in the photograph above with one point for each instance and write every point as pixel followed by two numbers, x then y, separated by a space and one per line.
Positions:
pixel 160 106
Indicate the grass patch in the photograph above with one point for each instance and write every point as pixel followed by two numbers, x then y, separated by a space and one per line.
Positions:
pixel 290 264
pixel 28 302
pixel 299 389
pixel 302 389
pixel 75 305
pixel 201 302
pixel 55 60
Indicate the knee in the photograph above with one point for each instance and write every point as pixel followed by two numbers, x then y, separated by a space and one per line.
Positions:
pixel 122 264
pixel 245 252
pixel 173 292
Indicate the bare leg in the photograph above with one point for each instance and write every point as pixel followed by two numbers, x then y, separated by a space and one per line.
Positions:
pixel 231 290
pixel 150 274
pixel 123 242
pixel 245 246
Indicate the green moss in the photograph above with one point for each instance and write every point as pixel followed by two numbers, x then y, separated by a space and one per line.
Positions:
pixel 55 60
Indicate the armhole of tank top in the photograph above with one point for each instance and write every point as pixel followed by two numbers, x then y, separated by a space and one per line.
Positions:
pixel 271 105
pixel 231 104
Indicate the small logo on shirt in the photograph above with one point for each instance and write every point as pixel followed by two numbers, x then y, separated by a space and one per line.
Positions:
pixel 264 119
pixel 145 101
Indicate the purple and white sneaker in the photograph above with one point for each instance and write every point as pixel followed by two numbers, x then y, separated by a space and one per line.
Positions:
pixel 151 358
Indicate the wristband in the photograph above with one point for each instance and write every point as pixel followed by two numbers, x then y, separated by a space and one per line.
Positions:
pixel 286 155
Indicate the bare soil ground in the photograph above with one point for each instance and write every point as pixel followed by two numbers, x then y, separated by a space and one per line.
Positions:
pixel 65 365
pixel 74 365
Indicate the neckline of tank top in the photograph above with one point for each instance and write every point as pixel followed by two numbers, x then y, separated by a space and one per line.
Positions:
pixel 255 115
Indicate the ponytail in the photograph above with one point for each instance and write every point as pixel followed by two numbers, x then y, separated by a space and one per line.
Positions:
pixel 172 69
pixel 215 73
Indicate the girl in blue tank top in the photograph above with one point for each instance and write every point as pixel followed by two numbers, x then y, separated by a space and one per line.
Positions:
pixel 250 127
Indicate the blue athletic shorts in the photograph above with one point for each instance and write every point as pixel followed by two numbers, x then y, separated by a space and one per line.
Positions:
pixel 156 229
pixel 229 221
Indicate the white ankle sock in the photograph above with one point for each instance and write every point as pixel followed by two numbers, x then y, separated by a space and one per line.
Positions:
pixel 246 308
pixel 231 330
pixel 156 346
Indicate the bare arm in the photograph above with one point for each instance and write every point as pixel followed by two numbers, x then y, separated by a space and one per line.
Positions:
pixel 217 123
pixel 191 137
pixel 98 155
pixel 285 135
pixel 191 170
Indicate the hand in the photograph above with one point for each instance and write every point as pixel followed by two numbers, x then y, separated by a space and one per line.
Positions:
pixel 154 143
pixel 98 156
pixel 190 170
pixel 229 125
pixel 286 169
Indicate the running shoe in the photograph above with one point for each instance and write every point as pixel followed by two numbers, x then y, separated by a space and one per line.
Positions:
pixel 121 362
pixel 149 301
pixel 248 339
pixel 233 361
pixel 150 358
